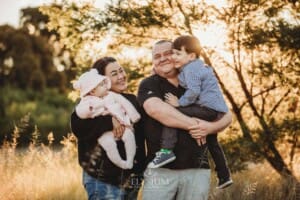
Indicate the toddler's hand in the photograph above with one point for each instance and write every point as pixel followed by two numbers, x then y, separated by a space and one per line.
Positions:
pixel 171 99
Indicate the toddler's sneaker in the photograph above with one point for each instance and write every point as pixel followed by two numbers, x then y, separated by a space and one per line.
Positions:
pixel 224 182
pixel 162 158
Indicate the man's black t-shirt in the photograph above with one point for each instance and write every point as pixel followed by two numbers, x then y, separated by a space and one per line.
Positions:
pixel 188 153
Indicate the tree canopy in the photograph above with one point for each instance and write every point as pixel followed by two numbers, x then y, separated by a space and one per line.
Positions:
pixel 35 75
pixel 31 56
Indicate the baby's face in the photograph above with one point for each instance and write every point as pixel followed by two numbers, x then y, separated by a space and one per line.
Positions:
pixel 102 89
pixel 181 57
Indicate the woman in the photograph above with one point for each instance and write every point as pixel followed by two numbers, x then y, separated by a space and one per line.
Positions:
pixel 101 178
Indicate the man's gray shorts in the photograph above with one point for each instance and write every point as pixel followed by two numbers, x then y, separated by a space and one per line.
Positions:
pixel 166 184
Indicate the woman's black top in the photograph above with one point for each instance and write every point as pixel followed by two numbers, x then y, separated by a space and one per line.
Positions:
pixel 92 157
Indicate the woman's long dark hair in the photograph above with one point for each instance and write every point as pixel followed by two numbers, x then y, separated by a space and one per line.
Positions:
pixel 101 64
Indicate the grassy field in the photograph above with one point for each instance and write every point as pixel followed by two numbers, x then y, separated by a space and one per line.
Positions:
pixel 40 172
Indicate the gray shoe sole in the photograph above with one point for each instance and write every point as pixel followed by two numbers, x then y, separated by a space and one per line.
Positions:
pixel 161 164
pixel 226 184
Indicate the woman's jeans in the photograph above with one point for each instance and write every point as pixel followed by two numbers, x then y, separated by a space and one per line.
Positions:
pixel 98 190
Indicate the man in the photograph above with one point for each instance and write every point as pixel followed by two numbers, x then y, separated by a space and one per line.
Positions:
pixel 188 177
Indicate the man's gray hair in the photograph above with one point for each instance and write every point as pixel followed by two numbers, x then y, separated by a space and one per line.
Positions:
pixel 163 41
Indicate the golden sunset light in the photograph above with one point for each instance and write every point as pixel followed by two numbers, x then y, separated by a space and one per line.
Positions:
pixel 149 100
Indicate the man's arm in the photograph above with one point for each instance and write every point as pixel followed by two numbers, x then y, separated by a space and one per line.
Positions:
pixel 167 115
pixel 203 128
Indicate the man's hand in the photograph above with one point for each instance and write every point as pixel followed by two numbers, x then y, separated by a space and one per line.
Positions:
pixel 201 129
pixel 118 128
pixel 201 139
pixel 171 99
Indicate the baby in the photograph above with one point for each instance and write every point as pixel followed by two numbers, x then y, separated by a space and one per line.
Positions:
pixel 96 99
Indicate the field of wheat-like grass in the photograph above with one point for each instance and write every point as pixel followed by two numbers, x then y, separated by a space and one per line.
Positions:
pixel 43 172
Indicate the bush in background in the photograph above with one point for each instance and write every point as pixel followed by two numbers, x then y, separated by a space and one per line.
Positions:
pixel 27 109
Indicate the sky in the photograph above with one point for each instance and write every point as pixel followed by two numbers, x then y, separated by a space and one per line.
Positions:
pixel 10 9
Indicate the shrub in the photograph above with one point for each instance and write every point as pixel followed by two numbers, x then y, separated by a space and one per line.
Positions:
pixel 48 110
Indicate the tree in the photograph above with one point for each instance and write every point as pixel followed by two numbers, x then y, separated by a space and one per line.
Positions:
pixel 78 29
pixel 28 71
pixel 35 22
pixel 259 79
pixel 266 66
pixel 31 50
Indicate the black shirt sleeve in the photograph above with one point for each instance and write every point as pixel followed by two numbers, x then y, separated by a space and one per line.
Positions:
pixel 149 87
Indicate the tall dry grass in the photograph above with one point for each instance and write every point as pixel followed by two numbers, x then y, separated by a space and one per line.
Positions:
pixel 42 172
pixel 259 182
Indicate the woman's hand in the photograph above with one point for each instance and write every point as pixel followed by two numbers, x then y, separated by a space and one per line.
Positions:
pixel 171 99
pixel 118 128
